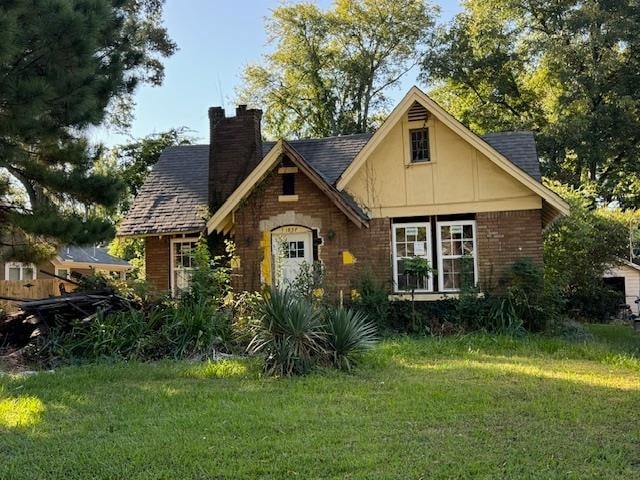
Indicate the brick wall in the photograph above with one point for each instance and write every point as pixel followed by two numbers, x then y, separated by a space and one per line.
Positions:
pixel 504 237
pixel 157 258
pixel 235 150
pixel 371 246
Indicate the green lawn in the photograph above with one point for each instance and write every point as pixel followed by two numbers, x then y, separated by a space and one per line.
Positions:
pixel 469 407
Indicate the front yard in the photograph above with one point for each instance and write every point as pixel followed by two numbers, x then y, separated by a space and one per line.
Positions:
pixel 469 407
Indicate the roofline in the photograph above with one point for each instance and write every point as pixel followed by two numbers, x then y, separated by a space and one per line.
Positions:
pixel 415 94
pixel 221 220
pixel 106 266
pixel 162 234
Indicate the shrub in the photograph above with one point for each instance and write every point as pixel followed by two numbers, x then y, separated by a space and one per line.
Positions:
pixel 578 249
pixel 371 297
pixel 194 326
pixel 433 317
pixel 533 303
pixel 348 333
pixel 309 283
pixel 289 332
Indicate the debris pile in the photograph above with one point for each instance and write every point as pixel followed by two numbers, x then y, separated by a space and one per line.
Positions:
pixel 36 317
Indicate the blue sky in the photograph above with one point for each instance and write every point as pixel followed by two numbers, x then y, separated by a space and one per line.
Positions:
pixel 216 40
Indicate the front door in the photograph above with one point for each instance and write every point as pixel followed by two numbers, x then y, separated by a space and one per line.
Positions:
pixel 291 248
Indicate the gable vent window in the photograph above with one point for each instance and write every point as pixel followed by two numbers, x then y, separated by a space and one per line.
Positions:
pixel 417 113
pixel 420 145
pixel 289 184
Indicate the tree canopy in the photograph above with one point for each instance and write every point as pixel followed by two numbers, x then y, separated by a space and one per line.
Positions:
pixel 329 71
pixel 66 65
pixel 567 69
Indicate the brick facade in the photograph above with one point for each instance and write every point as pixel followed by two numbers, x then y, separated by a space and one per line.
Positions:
pixel 157 262
pixel 504 237
pixel 263 211
pixel 235 150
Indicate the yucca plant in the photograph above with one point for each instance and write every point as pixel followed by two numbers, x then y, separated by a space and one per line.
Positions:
pixel 289 331
pixel 348 333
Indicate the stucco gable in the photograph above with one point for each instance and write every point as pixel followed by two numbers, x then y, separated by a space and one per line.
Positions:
pixel 466 169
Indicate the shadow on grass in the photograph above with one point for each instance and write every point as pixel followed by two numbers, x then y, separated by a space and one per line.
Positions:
pixel 417 410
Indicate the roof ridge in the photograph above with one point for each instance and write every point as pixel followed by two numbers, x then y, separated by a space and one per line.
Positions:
pixel 506 132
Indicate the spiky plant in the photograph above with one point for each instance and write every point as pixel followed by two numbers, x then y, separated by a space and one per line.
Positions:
pixel 348 333
pixel 289 332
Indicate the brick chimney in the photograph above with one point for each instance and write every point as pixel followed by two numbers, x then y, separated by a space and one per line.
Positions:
pixel 235 149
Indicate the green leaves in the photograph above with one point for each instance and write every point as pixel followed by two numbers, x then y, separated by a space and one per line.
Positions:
pixel 296 335
pixel 566 69
pixel 66 65
pixel 330 70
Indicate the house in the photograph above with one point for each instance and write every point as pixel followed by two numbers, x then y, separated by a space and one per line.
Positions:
pixel 70 262
pixel 423 185
pixel 625 278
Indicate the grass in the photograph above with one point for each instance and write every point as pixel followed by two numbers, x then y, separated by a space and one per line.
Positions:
pixel 466 407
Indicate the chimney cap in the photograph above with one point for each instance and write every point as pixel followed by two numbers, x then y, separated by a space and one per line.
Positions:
pixel 216 113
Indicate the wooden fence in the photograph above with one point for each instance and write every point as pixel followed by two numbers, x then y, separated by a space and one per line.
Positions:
pixel 30 289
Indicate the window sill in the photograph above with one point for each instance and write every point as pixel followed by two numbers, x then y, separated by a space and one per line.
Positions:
pixel 427 296
pixel 417 164
pixel 288 198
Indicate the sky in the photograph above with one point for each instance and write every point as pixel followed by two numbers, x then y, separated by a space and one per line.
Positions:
pixel 216 40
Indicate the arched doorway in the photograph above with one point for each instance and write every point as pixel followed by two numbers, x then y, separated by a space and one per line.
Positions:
pixel 291 249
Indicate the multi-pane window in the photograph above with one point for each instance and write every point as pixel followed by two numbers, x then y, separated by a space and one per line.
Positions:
pixel 183 264
pixel 456 254
pixel 419 145
pixel 294 250
pixel 20 271
pixel 411 240
pixel 63 272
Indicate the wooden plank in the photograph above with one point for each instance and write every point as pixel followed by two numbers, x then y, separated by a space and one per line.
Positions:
pixel 30 289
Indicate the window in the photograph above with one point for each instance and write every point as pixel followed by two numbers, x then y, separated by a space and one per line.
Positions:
pixel 457 259
pixel 419 145
pixel 288 184
pixel 182 263
pixel 63 272
pixel 411 240
pixel 17 271
pixel 294 250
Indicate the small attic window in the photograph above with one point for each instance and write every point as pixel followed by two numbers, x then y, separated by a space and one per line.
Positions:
pixel 289 184
pixel 419 145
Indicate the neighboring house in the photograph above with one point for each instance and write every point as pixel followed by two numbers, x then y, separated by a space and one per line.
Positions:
pixel 423 185
pixel 625 278
pixel 70 262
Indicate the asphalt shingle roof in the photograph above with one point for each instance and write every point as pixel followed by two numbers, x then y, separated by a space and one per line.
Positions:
pixel 89 255
pixel 519 147
pixel 174 197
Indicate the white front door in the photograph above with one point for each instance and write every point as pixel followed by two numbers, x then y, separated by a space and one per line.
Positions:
pixel 291 248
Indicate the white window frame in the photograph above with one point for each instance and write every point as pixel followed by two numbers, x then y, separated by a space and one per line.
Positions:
pixel 22 266
pixel 440 256
pixel 172 258
pixel 428 256
pixel 57 272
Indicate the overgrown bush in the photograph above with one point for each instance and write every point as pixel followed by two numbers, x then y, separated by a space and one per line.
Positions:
pixel 289 332
pixel 309 283
pixel 347 334
pixel 295 334
pixel 434 317
pixel 195 324
pixel 579 249
pixel 371 297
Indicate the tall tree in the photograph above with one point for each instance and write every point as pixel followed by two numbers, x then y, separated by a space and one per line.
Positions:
pixel 329 70
pixel 568 69
pixel 65 65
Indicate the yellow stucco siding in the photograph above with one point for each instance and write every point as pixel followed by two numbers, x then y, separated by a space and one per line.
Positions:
pixel 458 178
